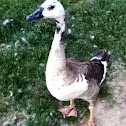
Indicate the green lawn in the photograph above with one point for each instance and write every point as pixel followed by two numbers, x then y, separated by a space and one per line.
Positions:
pixel 24 49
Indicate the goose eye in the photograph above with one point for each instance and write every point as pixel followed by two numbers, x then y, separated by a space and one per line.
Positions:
pixel 51 7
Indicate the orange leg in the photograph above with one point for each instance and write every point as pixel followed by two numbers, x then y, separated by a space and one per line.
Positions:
pixel 90 123
pixel 72 104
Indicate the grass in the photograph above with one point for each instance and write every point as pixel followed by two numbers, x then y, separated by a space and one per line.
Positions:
pixel 22 65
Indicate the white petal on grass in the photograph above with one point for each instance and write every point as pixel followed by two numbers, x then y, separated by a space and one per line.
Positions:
pixel 11 93
pixel 51 114
pixel 95 46
pixel 17 43
pixel 92 37
pixel 69 31
pixel 7 21
pixel 42 65
pixel 22 30
pixel 24 40
pixel 15 54
pixel 34 115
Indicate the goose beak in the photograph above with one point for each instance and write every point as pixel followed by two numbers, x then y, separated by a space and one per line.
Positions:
pixel 36 15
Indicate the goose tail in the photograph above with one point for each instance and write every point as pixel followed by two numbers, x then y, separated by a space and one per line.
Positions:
pixel 102 56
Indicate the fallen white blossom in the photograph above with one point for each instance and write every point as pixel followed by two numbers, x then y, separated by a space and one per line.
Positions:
pixel 69 31
pixel 92 37
pixel 7 21
pixel 95 46
pixel 15 54
pixel 11 93
pixel 25 40
pixel 42 65
pixel 17 43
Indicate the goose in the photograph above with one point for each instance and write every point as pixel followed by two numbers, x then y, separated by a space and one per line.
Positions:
pixel 67 78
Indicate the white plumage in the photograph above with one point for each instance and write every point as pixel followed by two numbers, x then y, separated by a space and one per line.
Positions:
pixel 68 79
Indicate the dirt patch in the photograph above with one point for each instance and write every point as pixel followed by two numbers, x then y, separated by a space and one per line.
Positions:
pixel 108 114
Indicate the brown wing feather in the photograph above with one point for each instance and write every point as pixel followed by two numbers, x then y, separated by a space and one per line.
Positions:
pixel 91 70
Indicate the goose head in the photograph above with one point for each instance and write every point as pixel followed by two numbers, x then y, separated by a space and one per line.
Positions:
pixel 52 9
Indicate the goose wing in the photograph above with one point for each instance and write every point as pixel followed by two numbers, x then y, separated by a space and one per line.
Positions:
pixel 92 70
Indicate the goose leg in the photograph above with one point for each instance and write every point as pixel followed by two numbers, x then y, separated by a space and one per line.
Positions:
pixel 91 123
pixel 70 110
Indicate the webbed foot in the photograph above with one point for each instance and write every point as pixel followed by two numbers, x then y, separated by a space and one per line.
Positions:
pixel 68 111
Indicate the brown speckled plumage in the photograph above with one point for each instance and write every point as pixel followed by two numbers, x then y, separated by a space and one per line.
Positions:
pixel 91 70
pixel 68 79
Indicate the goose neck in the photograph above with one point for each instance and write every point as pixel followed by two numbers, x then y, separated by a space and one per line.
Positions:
pixel 59 36
pixel 57 57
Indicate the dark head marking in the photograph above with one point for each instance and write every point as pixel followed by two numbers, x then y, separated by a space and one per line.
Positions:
pixel 106 57
pixel 58 29
pixel 51 7
pixel 62 38
pixel 57 21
